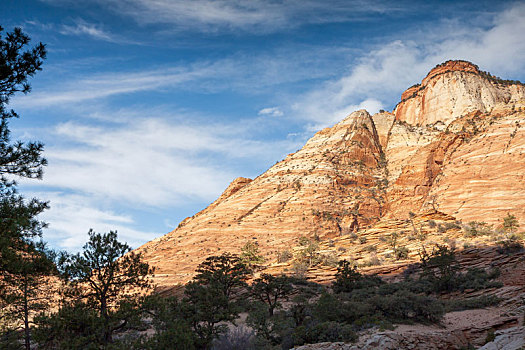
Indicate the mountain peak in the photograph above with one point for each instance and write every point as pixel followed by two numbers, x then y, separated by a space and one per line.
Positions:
pixel 451 66
pixel 453 89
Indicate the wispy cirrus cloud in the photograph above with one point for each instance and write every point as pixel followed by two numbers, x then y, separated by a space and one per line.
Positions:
pixel 104 85
pixel 244 73
pixel 82 27
pixel 137 163
pixel 248 15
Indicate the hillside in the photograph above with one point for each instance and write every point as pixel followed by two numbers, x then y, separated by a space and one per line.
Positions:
pixel 455 143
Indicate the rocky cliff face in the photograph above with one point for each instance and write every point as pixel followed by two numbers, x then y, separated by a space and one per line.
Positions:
pixel 453 89
pixel 455 143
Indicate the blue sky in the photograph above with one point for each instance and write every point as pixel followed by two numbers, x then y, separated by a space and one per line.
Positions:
pixel 148 109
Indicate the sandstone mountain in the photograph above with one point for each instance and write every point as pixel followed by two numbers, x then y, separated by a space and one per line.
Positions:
pixel 454 146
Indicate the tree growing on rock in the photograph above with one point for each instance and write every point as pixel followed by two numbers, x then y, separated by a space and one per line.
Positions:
pixel 510 224
pixel 250 255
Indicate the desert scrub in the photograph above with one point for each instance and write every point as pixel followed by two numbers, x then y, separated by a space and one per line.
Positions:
pixel 299 269
pixel 370 248
pixel 451 226
pixel 309 253
pixel 329 259
pixel 509 246
pixel 401 252
pixel 284 256
pixel 477 228
pixel 372 261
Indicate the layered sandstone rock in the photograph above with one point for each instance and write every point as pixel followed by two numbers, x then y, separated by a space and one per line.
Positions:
pixel 453 89
pixel 455 143
pixel 334 184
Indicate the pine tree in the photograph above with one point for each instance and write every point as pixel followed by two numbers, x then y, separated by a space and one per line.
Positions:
pixel 23 260
pixel 271 290
pixel 108 278
pixel 213 297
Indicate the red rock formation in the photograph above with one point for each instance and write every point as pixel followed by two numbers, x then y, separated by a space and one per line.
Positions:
pixel 454 143
pixel 453 89
pixel 333 184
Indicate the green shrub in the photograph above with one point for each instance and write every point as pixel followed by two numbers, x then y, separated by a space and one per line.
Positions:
pixel 490 336
pixel 250 254
pixel 239 338
pixel 401 252
pixel 329 259
pixel 440 268
pixel 370 248
pixel 309 253
pixel 510 224
pixel 299 269
pixel 478 279
pixel 471 303
pixel 509 246
pixel 477 228
pixel 284 256
pixel 324 332
pixel 405 306
pixel 346 277
pixel 451 225
pixel 372 261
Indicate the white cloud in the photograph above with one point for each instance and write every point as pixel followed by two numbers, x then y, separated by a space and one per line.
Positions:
pixel 383 73
pixel 248 15
pixel 136 164
pixel 150 161
pixel 72 215
pixel 271 111
pixel 81 27
pixel 499 48
pixel 243 73
pixel 104 85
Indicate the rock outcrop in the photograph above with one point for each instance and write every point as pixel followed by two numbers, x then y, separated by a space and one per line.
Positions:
pixel 453 89
pixel 454 144
pixel 507 339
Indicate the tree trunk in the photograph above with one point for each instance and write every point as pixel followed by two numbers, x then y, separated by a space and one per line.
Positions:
pixel 104 313
pixel 27 335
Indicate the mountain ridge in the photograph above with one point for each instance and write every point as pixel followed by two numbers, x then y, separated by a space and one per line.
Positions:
pixel 368 168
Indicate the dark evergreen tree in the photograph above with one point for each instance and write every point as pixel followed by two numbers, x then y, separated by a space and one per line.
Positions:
pixel 271 290
pixel 23 261
pixel 107 278
pixel 346 277
pixel 24 294
pixel 440 268
pixel 212 298
pixel 172 328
